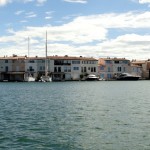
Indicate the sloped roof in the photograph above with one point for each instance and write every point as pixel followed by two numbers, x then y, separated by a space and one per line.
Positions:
pixel 114 59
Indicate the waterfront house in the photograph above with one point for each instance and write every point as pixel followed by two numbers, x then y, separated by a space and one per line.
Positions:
pixel 145 67
pixel 12 68
pixel 136 70
pixel 31 67
pixel 18 68
pixel 108 67
pixel 5 68
pixel 71 68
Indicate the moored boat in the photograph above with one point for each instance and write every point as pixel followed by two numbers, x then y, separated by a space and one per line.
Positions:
pixel 29 79
pixel 46 78
pixel 127 76
pixel 92 77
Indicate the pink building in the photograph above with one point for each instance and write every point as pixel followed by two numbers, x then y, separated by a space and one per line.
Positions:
pixel 108 68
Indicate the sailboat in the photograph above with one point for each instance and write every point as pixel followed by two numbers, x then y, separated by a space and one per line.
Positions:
pixel 46 78
pixel 29 77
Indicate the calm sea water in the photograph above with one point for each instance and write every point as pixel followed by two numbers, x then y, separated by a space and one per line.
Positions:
pixel 103 115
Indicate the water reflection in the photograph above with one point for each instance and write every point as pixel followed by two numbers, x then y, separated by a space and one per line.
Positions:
pixel 75 115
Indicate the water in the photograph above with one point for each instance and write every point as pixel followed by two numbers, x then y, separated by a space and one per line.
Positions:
pixel 103 115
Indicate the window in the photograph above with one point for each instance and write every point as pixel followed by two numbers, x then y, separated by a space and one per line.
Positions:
pixel 94 69
pixel 6 69
pixel 75 62
pixel 125 61
pixel 30 68
pixel 55 69
pixel 119 69
pixel 67 69
pixel 58 62
pixel 84 69
pixel 31 61
pixel 101 67
pixel 6 61
pixel 40 67
pixel 67 62
pixel 75 68
pixel 108 61
pixel 108 76
pixel 108 69
pixel 116 62
pixel 102 76
pixel 59 69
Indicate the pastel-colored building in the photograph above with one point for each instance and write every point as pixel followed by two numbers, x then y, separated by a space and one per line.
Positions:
pixel 136 70
pixel 108 67
pixel 12 68
pixel 145 67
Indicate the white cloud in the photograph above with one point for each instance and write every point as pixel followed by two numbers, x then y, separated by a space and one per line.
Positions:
pixel 128 45
pixel 48 17
pixel 30 15
pixel 124 20
pixel 39 2
pixel 27 1
pixel 49 12
pixel 4 2
pixel 19 12
pixel 76 1
pixel 23 21
pixel 144 1
pixel 88 35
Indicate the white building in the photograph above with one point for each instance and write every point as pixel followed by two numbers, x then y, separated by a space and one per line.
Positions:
pixel 58 67
pixel 71 68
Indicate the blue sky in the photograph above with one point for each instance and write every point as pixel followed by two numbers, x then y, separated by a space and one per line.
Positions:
pixel 92 28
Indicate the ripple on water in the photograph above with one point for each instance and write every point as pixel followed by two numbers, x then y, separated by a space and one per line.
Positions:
pixel 75 116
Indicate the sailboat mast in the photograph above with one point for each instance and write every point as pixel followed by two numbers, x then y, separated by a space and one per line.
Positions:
pixel 46 65
pixel 46 44
pixel 28 46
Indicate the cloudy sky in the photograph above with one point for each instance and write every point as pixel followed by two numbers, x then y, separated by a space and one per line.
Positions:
pixel 92 28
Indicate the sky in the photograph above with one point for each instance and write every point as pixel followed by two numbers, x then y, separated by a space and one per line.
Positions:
pixel 90 28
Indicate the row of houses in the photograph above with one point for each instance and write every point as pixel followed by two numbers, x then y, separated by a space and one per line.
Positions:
pixel 108 67
pixel 17 68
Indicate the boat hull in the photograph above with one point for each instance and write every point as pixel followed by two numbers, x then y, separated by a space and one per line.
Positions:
pixel 29 79
pixel 46 79
pixel 92 79
pixel 128 79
